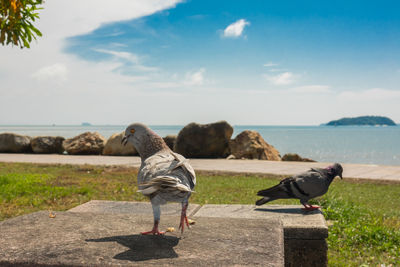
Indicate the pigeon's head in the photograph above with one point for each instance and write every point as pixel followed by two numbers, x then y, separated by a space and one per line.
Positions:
pixel 143 139
pixel 336 169
pixel 134 134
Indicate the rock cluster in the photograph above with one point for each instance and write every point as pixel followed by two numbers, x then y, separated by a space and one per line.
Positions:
pixel 295 157
pixel 14 143
pixel 170 141
pixel 47 144
pixel 251 145
pixel 85 144
pixel 113 146
pixel 204 140
pixel 195 140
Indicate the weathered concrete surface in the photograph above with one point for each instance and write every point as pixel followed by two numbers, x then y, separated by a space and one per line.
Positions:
pixel 359 171
pixel 306 253
pixel 89 239
pixel 297 224
pixel 304 232
pixel 129 207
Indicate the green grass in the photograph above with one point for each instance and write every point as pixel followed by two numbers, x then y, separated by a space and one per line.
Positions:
pixel 364 217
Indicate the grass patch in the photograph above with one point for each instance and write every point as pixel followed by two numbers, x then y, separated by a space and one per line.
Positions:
pixel 365 217
pixel 359 236
pixel 25 188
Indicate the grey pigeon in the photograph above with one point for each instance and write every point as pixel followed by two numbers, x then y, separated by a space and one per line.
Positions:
pixel 163 175
pixel 303 186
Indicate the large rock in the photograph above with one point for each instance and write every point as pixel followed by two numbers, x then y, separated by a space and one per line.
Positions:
pixel 251 145
pixel 170 141
pixel 295 157
pixel 113 147
pixel 204 140
pixel 85 144
pixel 47 144
pixel 14 143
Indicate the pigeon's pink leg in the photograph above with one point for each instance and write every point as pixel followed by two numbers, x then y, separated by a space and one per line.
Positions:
pixel 310 207
pixel 184 219
pixel 154 231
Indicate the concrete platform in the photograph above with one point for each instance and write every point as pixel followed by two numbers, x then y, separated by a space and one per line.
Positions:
pixel 92 239
pixel 358 171
pixel 305 233
pixel 129 207
pixel 298 224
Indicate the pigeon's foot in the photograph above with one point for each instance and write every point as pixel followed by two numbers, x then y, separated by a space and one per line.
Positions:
pixel 153 232
pixel 184 219
pixel 310 208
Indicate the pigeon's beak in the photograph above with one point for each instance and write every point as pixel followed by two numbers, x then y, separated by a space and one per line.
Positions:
pixel 124 140
pixel 340 175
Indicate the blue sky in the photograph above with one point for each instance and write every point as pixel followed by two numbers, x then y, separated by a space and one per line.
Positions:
pixel 336 43
pixel 241 61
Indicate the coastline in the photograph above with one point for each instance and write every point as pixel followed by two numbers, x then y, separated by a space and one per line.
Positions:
pixel 345 144
pixel 370 172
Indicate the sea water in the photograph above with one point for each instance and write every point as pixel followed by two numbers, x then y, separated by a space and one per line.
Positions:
pixel 344 144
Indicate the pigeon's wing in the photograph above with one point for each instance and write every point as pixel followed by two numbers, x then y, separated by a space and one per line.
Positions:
pixel 182 163
pixel 311 184
pixel 282 190
pixel 167 175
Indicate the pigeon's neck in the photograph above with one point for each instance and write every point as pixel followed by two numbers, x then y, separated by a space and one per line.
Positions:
pixel 330 173
pixel 151 145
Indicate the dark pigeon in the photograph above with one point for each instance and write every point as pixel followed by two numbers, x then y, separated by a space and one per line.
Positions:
pixel 303 186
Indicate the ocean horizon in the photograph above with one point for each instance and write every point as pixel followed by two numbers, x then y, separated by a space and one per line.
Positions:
pixel 344 144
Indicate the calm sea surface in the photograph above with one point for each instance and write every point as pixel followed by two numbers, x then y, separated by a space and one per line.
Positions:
pixel 346 144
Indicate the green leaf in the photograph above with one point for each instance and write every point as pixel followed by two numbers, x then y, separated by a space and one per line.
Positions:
pixel 38 33
pixel 16 25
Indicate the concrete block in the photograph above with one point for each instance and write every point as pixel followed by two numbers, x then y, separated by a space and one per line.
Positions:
pixel 130 207
pixel 298 224
pixel 92 239
pixel 305 253
pixel 304 232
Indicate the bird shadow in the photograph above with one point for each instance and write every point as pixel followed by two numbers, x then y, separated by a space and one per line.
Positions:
pixel 287 210
pixel 143 247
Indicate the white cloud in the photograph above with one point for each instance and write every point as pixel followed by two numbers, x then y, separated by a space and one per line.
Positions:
pixel 57 72
pixel 195 78
pixel 284 78
pixel 270 64
pixel 314 89
pixel 235 29
pixel 118 54
pixel 118 45
pixel 276 70
pixel 48 64
pixel 179 82
pixel 65 18
pixel 130 57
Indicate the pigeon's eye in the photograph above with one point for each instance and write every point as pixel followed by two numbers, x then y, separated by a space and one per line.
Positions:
pixel 132 131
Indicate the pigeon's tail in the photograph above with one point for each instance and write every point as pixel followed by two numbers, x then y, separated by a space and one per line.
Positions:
pixel 269 192
pixel 164 184
pixel 275 192
pixel 263 200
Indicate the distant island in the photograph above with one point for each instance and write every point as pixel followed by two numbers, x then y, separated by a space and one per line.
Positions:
pixel 363 120
pixel 86 124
